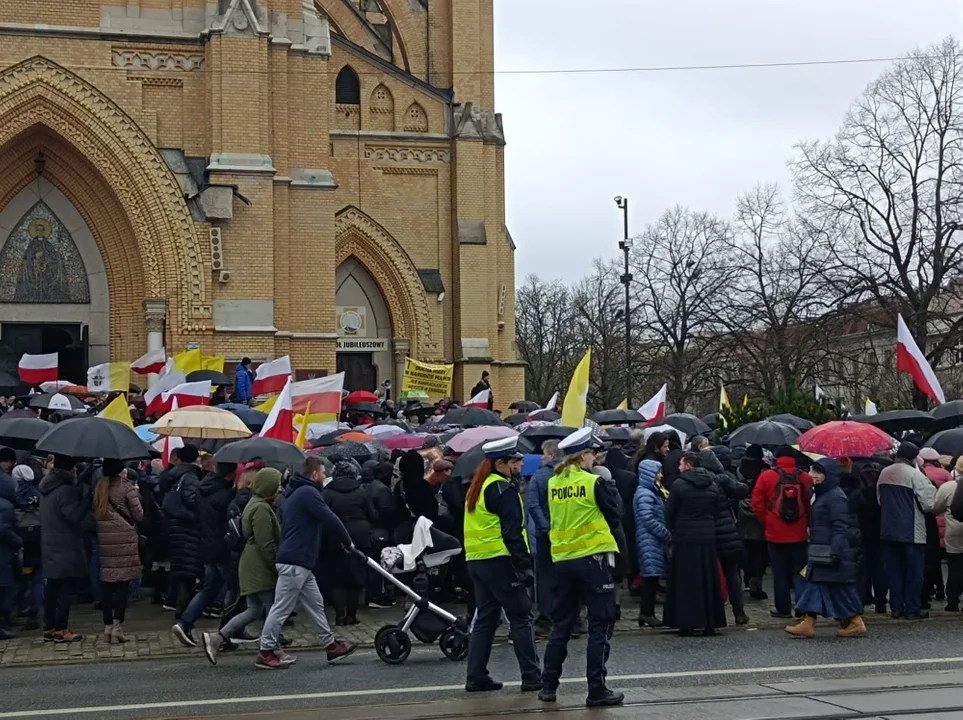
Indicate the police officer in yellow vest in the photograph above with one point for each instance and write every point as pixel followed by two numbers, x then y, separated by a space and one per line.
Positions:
pixel 500 565
pixel 582 510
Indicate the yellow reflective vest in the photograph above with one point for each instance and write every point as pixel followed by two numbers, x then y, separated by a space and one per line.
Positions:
pixel 579 528
pixel 483 529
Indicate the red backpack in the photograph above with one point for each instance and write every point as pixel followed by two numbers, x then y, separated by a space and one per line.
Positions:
pixel 790 496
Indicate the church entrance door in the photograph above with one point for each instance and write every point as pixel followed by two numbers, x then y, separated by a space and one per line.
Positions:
pixel 68 340
pixel 359 371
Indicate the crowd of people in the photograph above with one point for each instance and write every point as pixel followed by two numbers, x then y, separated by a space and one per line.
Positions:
pixel 694 526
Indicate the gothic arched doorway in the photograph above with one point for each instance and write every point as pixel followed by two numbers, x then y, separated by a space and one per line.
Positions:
pixel 364 328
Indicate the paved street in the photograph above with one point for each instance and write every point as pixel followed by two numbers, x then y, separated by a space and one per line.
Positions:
pixel 751 666
pixel 149 626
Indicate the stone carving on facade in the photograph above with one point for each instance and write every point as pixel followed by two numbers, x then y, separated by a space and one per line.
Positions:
pixel 471 122
pixel 155 314
pixel 358 236
pixel 240 17
pixel 402 154
pixel 39 92
pixel 317 32
pixel 157 60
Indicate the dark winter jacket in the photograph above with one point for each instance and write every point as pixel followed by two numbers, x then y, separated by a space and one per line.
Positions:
pixel 28 501
pixel 766 500
pixel 376 478
pixel 535 492
pixel 155 524
pixel 306 517
pixel 414 492
pixel 184 536
pixel 670 466
pixel 728 542
pixel 651 533
pixel 236 510
pixel 831 524
pixel 869 513
pixel 626 483
pixel 66 515
pixel 692 507
pixel 350 501
pixel 905 497
pixel 214 495
pixel 9 537
pixel 750 527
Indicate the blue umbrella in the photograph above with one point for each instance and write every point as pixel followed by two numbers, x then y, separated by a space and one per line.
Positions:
pixel 254 419
pixel 531 463
pixel 145 434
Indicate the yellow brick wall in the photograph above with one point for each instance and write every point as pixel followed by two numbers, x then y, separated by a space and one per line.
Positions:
pixel 256 98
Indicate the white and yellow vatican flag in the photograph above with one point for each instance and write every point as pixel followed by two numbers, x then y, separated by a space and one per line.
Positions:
pixel 575 404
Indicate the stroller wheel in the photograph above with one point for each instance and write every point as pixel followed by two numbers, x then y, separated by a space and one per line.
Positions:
pixel 454 644
pixel 393 645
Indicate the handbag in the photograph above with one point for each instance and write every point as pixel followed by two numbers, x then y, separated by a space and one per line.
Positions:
pixel 822 556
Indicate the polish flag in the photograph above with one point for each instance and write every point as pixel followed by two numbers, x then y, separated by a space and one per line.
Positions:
pixel 910 360
pixel 188 393
pixel 280 423
pixel 35 369
pixel 154 395
pixel 654 409
pixel 271 377
pixel 170 442
pixel 480 400
pixel 152 362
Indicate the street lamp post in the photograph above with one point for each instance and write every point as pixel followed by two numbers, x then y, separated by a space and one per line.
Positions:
pixel 625 245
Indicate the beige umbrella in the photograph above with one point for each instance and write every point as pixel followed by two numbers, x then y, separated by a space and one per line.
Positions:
pixel 203 422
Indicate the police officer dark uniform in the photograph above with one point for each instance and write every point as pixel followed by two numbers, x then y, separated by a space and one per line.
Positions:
pixel 500 566
pixel 582 510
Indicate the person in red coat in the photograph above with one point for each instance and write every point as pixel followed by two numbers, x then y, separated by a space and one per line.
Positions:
pixel 781 501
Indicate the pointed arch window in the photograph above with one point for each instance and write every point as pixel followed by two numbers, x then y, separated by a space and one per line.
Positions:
pixel 347 87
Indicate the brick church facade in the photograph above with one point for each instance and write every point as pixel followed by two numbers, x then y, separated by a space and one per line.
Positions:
pixel 318 178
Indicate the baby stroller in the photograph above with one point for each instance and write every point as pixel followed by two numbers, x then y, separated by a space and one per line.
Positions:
pixel 429 623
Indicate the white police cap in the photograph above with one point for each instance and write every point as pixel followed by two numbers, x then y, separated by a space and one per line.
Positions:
pixel 503 449
pixel 581 439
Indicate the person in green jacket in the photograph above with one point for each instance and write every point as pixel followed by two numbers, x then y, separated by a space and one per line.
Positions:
pixel 257 575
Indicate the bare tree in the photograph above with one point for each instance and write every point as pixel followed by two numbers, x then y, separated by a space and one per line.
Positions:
pixel 889 184
pixel 778 317
pixel 545 335
pixel 599 317
pixel 682 272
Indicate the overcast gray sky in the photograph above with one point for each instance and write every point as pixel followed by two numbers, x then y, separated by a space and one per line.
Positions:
pixel 695 138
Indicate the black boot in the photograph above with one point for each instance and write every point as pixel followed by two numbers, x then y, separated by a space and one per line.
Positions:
pixel 606 698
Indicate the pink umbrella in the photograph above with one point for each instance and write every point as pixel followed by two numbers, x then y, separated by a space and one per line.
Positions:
pixel 465 441
pixel 403 442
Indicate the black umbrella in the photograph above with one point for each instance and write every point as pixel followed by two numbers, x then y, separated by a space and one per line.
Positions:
pixel 617 417
pixel 56 401
pixel 801 424
pixel 948 415
pixel 712 420
pixel 19 413
pixel 22 433
pixel 893 421
pixel 470 416
pixel 687 423
pixel 947 442
pixel 616 434
pixel 216 378
pixel 369 408
pixel 767 433
pixel 516 419
pixel 254 419
pixel 360 451
pixel 545 416
pixel 261 449
pixel 466 465
pixel 210 445
pixel 94 438
pixel 329 438
pixel 524 406
pixel 538 435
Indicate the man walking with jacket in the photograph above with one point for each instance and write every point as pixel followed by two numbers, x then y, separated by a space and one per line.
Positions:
pixel 781 501
pixel 306 516
pixel 905 496
pixel 535 491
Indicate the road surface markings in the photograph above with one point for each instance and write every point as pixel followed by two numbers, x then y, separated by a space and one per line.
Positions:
pixel 377 692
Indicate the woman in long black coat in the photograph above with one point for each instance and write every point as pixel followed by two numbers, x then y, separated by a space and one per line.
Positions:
pixel 693 599
pixel 830 589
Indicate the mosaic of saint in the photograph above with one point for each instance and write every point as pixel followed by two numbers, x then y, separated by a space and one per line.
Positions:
pixel 40 263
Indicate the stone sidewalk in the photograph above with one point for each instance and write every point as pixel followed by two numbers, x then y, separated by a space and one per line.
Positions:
pixel 149 629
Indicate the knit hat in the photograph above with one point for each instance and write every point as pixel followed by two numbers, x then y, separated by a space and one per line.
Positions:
pixel 907 451
pixel 23 472
pixel 112 467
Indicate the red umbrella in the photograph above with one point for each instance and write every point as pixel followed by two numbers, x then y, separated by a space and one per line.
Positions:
pixel 845 438
pixel 360 396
